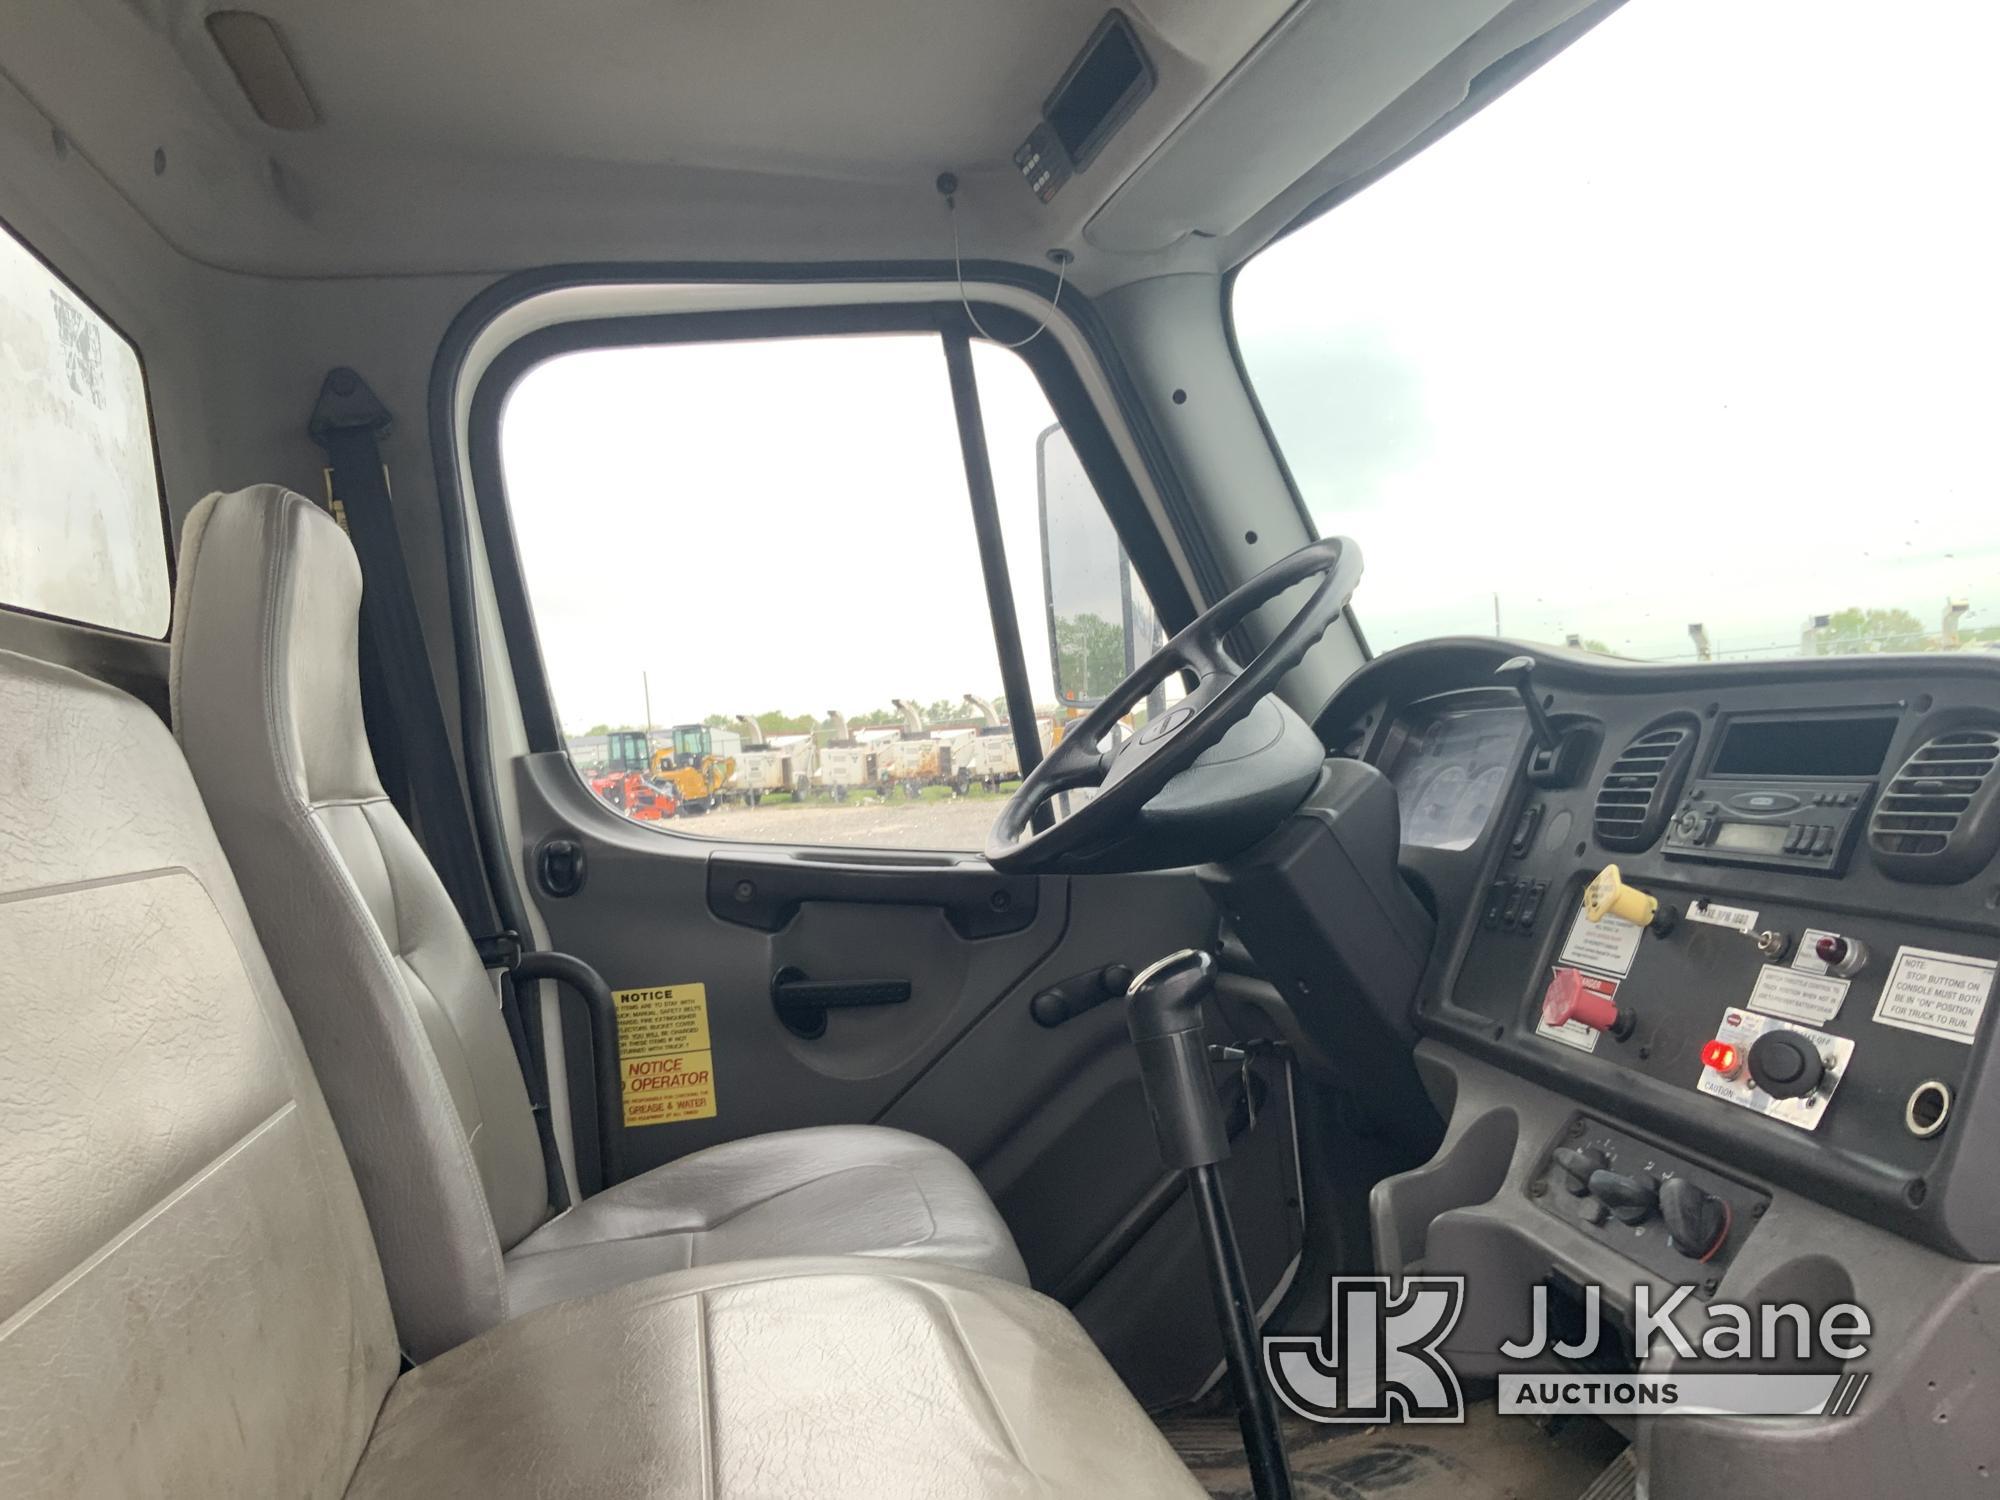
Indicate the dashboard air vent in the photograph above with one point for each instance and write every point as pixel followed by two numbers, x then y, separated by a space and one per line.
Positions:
pixel 1936 821
pixel 1638 791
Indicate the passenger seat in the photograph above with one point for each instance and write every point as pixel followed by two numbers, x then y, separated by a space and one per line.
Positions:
pixel 399 1015
pixel 190 1304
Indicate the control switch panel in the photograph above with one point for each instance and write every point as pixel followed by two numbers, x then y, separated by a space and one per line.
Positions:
pixel 1655 1206
pixel 1781 1069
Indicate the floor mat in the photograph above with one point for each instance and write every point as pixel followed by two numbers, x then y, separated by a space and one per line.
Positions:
pixel 1487 1457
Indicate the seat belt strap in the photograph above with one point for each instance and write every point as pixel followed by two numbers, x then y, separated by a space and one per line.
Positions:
pixel 535 1074
pixel 348 422
pixel 406 729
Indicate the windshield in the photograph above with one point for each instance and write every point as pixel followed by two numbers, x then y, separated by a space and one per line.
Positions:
pixel 1687 346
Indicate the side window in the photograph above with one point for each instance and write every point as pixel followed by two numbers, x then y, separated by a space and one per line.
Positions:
pixel 758 591
pixel 82 529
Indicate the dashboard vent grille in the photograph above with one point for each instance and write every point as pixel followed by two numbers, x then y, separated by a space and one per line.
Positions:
pixel 1924 813
pixel 1639 789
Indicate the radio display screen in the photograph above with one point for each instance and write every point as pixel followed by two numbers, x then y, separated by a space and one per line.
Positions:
pixel 1804 747
pixel 1763 838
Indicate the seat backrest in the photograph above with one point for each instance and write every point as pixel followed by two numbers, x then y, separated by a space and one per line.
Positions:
pixel 398 1014
pixel 189 1301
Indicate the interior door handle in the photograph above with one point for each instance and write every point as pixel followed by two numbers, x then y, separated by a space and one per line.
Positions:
pixel 802 1003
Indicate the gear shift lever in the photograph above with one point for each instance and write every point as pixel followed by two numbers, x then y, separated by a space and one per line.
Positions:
pixel 1163 1011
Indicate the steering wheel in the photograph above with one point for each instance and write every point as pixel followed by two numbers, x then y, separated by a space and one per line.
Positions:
pixel 1210 776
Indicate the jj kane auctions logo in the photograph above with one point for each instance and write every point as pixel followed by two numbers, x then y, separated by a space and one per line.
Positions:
pixel 1381 1358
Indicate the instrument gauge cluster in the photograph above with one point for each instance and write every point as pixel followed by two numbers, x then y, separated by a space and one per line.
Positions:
pixel 1450 770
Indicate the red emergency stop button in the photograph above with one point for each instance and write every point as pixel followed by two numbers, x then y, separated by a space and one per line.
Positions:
pixel 1585 999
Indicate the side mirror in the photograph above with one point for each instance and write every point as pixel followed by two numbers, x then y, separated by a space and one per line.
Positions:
pixel 1100 623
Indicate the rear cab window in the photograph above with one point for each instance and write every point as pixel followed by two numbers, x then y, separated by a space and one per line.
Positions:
pixel 83 532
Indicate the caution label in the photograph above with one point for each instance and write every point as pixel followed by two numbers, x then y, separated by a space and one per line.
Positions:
pixel 664 1054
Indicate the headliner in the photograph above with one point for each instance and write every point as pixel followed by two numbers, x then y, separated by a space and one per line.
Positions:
pixel 516 132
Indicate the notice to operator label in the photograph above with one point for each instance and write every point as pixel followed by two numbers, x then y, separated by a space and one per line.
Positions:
pixel 664 1054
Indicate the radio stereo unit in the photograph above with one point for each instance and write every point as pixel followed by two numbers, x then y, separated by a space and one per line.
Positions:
pixel 1779 825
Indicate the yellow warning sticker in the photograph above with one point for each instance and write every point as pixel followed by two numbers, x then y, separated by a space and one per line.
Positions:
pixel 664 1054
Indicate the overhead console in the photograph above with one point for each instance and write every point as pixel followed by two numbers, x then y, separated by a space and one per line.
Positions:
pixel 1757 927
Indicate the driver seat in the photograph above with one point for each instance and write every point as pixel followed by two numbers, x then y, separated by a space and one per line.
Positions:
pixel 400 1018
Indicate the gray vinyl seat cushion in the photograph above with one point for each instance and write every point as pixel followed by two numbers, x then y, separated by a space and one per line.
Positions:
pixel 400 1017
pixel 804 1379
pixel 834 1190
pixel 191 1303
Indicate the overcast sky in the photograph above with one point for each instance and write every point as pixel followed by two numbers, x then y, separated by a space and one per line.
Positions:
pixel 779 524
pixel 1699 323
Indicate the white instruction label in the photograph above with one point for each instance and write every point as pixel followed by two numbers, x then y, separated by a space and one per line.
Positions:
pixel 1717 915
pixel 1570 1034
pixel 1607 946
pixel 1938 994
pixel 1797 996
pixel 1805 958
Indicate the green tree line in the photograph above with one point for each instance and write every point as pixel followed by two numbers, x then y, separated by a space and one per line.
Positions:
pixel 1855 631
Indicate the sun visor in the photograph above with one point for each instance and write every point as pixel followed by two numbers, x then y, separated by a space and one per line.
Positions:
pixel 1315 83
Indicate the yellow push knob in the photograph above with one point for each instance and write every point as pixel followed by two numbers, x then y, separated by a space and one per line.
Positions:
pixel 1609 896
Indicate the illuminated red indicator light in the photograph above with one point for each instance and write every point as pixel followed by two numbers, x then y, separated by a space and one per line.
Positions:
pixel 1721 1056
pixel 1830 949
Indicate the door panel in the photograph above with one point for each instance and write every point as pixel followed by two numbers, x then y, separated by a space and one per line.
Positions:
pixel 1051 1118
pixel 642 918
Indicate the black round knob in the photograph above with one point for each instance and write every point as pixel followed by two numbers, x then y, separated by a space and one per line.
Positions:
pixel 1696 1221
pixel 1631 1198
pixel 1785 1064
pixel 1050 1007
pixel 1577 1165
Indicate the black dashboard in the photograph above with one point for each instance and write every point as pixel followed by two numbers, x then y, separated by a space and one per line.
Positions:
pixel 1788 975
